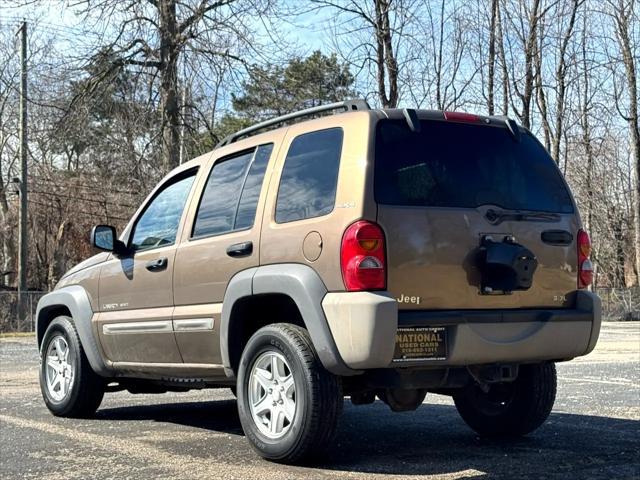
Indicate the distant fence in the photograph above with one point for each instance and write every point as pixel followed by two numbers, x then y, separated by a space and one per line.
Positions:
pixel 617 304
pixel 12 319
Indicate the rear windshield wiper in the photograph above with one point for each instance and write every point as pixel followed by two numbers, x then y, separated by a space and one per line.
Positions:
pixel 496 217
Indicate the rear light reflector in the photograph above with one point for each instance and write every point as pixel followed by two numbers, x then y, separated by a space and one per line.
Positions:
pixel 362 257
pixel 585 266
pixel 461 117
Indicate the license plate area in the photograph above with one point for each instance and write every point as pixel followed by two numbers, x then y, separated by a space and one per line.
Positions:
pixel 415 344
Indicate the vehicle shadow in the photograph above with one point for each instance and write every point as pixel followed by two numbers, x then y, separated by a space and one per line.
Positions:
pixel 219 416
pixel 434 441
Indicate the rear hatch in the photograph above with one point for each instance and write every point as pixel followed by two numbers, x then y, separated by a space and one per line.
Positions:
pixel 442 188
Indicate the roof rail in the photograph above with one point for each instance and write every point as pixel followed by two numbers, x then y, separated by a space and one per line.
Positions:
pixel 347 105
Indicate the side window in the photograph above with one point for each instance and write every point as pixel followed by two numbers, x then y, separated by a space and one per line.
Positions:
pixel 310 176
pixel 158 224
pixel 252 186
pixel 230 198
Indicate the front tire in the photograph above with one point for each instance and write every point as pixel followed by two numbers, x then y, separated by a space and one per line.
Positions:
pixel 288 403
pixel 69 386
pixel 510 409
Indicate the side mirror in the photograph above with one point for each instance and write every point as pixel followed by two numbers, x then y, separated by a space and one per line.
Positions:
pixel 103 237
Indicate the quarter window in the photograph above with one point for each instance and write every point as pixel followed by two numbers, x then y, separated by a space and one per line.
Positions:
pixel 310 176
pixel 158 224
pixel 230 198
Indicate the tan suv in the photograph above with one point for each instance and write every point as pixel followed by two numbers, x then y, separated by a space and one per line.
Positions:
pixel 370 253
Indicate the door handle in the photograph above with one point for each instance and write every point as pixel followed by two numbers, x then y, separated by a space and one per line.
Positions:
pixel 156 265
pixel 557 237
pixel 243 249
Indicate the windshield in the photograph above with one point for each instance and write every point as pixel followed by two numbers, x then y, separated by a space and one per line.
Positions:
pixel 462 165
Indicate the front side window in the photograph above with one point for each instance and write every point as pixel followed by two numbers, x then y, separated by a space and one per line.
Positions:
pixel 231 195
pixel 158 224
pixel 310 176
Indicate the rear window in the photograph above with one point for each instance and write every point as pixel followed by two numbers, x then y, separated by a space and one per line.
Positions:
pixel 462 165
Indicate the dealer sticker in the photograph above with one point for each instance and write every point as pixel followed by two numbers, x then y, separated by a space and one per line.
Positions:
pixel 420 343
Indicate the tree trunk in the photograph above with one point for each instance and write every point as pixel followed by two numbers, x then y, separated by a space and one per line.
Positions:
pixel 57 264
pixel 7 237
pixel 8 267
pixel 586 141
pixel 492 57
pixel 387 64
pixel 531 47
pixel 539 86
pixel 623 19
pixel 503 63
pixel 618 238
pixel 561 84
pixel 169 85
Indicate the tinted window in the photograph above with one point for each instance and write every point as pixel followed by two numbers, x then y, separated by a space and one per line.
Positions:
pixel 461 165
pixel 158 225
pixel 252 186
pixel 225 205
pixel 310 175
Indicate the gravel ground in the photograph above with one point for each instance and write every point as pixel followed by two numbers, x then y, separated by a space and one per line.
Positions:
pixel 593 432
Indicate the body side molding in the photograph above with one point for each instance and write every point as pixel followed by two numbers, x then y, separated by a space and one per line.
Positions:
pixel 75 298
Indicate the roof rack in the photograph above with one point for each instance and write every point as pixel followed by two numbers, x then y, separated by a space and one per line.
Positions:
pixel 347 105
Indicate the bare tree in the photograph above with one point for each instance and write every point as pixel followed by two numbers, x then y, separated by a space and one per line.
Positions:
pixel 153 35
pixel 555 32
pixel 625 17
pixel 503 62
pixel 493 33
pixel 9 77
pixel 561 80
pixel 374 31
pixel 524 18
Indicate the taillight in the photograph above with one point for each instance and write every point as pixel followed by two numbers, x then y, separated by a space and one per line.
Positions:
pixel 362 257
pixel 461 117
pixel 585 267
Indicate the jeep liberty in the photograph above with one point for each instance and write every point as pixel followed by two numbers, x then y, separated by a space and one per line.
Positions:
pixel 369 253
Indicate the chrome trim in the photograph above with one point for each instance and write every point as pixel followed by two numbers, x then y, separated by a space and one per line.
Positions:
pixel 137 327
pixel 193 324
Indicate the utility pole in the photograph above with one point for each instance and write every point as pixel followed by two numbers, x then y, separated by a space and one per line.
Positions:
pixel 22 253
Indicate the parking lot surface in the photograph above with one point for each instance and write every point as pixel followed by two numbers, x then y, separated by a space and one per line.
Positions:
pixel 593 432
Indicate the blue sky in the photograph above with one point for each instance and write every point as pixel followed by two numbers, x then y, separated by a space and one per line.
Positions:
pixel 307 29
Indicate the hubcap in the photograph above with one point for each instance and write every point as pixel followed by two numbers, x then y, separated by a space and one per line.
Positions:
pixel 272 394
pixel 59 369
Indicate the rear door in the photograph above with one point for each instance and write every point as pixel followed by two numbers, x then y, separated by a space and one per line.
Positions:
pixel 438 193
pixel 221 239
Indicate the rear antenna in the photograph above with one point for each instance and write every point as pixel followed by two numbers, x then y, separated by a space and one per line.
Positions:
pixel 411 117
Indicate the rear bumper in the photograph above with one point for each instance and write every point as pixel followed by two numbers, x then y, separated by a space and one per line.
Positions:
pixel 364 328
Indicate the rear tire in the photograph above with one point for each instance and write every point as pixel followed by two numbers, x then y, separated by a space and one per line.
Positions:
pixel 510 409
pixel 69 385
pixel 290 416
